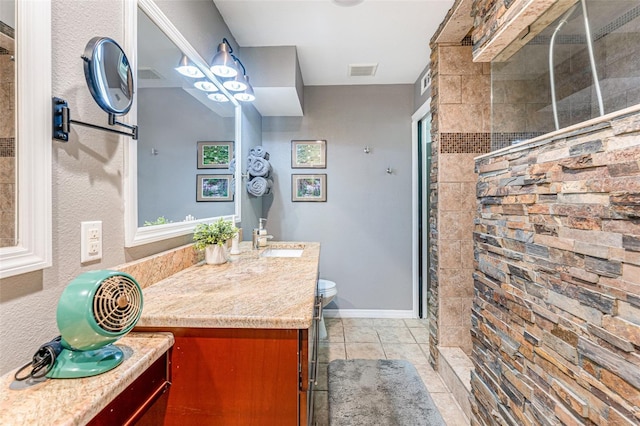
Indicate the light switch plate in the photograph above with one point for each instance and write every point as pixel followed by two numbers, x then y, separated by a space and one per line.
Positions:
pixel 90 241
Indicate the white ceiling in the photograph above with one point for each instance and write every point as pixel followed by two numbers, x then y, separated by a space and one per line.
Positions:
pixel 329 37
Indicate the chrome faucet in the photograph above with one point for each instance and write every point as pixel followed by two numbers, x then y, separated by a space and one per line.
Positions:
pixel 257 237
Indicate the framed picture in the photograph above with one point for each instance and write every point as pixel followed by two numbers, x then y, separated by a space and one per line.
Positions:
pixel 309 154
pixel 214 188
pixel 308 187
pixel 214 155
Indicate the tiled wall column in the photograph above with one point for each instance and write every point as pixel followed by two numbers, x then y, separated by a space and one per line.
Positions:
pixel 463 126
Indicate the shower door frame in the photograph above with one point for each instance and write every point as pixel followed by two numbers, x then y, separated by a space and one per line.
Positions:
pixel 420 211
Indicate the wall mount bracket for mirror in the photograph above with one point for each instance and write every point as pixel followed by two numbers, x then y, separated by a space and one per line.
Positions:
pixel 110 81
pixel 62 122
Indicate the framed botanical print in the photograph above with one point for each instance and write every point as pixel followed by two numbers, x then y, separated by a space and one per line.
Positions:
pixel 214 188
pixel 309 188
pixel 309 154
pixel 214 155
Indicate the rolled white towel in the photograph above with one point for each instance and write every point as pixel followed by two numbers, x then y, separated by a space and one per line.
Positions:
pixel 259 151
pixel 258 167
pixel 259 186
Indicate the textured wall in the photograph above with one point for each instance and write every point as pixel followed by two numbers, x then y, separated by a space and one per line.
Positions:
pixel 87 185
pixel 365 225
pixel 556 313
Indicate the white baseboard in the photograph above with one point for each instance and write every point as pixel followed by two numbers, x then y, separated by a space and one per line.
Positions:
pixel 367 313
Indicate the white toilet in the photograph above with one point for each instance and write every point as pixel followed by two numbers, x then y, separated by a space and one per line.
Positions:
pixel 328 291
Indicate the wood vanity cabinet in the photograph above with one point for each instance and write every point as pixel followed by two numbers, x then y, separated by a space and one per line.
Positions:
pixel 229 376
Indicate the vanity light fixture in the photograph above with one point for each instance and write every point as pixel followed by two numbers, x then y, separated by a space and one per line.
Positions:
pixel 247 94
pixel 237 83
pixel 228 66
pixel 223 64
pixel 205 85
pixel 186 68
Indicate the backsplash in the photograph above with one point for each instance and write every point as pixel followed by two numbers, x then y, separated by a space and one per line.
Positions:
pixel 150 270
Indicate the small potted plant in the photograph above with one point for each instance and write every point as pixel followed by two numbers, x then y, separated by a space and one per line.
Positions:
pixel 212 237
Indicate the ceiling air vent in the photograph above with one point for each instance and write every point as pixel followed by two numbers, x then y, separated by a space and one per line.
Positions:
pixel 148 74
pixel 362 70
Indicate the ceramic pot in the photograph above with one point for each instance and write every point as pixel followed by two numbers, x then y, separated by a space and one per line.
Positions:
pixel 215 254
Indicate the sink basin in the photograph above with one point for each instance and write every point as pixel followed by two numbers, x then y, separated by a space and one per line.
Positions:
pixel 282 252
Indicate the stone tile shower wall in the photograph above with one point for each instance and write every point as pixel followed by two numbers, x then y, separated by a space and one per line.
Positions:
pixel 556 312
pixel 7 138
pixel 460 110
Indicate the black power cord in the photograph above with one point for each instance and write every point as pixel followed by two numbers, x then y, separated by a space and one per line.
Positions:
pixel 42 361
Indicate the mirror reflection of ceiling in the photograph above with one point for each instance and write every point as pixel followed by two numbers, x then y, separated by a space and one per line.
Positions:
pixel 157 59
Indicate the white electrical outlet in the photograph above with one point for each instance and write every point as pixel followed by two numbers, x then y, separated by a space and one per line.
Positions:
pixel 90 241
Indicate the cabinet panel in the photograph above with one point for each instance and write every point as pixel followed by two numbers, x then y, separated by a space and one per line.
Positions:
pixel 133 402
pixel 234 377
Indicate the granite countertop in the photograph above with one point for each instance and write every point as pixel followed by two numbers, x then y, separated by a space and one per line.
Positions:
pixel 249 291
pixel 76 401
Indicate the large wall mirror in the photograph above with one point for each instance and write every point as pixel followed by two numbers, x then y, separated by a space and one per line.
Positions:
pixel 25 136
pixel 181 168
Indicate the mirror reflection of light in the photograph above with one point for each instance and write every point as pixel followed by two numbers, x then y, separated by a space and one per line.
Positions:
pixel 217 97
pixel 190 71
pixel 235 86
pixel 205 86
pixel 186 68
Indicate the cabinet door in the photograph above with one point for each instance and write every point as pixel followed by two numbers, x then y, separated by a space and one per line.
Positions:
pixel 234 377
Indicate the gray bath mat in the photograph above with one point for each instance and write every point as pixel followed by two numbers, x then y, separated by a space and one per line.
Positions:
pixel 379 392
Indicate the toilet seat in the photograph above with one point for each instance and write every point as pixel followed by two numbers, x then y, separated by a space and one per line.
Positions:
pixel 327 288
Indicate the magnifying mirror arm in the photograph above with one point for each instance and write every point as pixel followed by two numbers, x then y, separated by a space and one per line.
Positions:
pixel 132 127
pixel 62 122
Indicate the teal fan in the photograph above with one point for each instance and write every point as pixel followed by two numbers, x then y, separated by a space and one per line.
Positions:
pixel 95 309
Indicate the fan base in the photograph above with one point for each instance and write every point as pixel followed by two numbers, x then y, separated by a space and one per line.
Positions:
pixel 72 364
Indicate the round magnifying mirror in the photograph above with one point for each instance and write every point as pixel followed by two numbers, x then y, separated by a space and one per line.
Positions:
pixel 108 75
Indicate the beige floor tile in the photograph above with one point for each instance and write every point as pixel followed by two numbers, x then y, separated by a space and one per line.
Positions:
pixel 388 322
pixel 449 409
pixel 409 351
pixel 322 377
pixel 357 322
pixel 364 351
pixel 416 322
pixel 431 379
pixel 332 321
pixel 321 408
pixel 328 351
pixel 335 331
pixel 395 335
pixel 360 335
pixel 421 334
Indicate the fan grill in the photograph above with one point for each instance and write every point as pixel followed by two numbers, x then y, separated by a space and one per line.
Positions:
pixel 117 304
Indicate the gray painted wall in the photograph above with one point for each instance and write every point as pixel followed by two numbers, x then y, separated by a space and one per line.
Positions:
pixel 365 225
pixel 420 98
pixel 167 180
